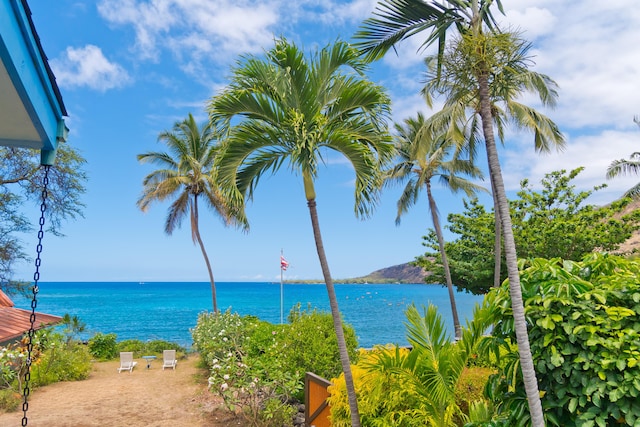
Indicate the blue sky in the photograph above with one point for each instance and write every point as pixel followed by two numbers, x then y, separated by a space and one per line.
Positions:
pixel 129 69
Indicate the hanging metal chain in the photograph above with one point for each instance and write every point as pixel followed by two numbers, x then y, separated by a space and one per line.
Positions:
pixel 34 301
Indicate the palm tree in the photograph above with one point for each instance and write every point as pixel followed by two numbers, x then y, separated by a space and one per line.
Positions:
pixel 293 110
pixel 451 73
pixel 624 166
pixel 423 157
pixel 396 20
pixel 187 176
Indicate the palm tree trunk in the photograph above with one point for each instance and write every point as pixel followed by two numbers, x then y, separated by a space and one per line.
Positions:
pixel 497 246
pixel 335 312
pixel 445 262
pixel 517 305
pixel 195 230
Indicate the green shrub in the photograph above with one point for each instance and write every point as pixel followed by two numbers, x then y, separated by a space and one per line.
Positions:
pixel 136 346
pixel 471 385
pixel 384 398
pixel 158 346
pixel 54 358
pixel 103 346
pixel 258 367
pixel 61 362
pixel 584 330
pixel 398 387
pixel 141 348
pixel 217 334
pixel 10 400
pixel 309 344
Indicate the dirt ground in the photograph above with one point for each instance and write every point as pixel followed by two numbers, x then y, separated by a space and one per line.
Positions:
pixel 144 398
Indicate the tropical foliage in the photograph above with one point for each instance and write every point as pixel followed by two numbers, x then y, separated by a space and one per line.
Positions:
pixel 555 221
pixel 484 53
pixel 187 176
pixel 21 181
pixel 54 359
pixel 418 387
pixel 103 346
pixel 258 367
pixel 584 328
pixel 294 110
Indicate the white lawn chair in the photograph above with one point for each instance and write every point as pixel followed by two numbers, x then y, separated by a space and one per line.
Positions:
pixel 169 359
pixel 126 361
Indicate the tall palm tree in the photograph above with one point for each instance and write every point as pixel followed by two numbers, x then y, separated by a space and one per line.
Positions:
pixel 187 176
pixel 624 166
pixel 290 109
pixel 452 73
pixel 423 157
pixel 394 21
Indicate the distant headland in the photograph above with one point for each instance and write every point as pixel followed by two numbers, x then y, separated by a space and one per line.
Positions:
pixel 405 273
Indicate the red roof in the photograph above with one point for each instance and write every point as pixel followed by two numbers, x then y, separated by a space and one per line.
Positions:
pixel 14 322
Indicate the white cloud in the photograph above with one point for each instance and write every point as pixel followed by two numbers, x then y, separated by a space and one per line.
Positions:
pixel 199 33
pixel 193 29
pixel 532 21
pixel 594 151
pixel 87 66
pixel 591 49
pixel 149 20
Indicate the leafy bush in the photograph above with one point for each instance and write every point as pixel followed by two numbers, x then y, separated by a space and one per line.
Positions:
pixel 54 358
pixel 61 362
pixel 216 334
pixel 103 346
pixel 471 385
pixel 12 369
pixel 584 329
pixel 410 388
pixel 252 383
pixel 154 347
pixel 158 346
pixel 309 343
pixel 136 346
pixel 259 367
pixel 10 400
pixel 382 395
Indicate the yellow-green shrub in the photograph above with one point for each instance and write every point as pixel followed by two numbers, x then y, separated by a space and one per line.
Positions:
pixel 382 396
pixel 470 387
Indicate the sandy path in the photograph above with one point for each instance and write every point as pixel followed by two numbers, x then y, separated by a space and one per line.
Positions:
pixel 146 397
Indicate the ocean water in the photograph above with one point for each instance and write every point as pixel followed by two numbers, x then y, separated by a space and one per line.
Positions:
pixel 168 310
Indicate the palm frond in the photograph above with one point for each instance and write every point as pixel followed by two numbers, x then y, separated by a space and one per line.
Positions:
pixel 177 211
pixel 546 132
pixel 623 166
pixel 394 21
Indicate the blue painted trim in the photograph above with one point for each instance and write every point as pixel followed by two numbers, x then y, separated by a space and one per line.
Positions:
pixel 26 64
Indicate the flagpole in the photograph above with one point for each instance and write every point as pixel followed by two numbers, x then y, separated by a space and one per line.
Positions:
pixel 281 290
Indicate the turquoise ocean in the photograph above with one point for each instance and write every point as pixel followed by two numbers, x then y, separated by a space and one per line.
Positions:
pixel 168 310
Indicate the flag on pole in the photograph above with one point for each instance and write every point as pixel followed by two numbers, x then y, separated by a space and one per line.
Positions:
pixel 284 264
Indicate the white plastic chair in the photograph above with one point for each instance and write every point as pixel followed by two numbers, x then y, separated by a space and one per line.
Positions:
pixel 126 361
pixel 169 359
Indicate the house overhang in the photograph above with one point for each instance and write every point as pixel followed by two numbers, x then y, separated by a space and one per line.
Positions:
pixel 31 108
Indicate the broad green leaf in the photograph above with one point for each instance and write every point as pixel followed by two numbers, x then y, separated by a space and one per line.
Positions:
pixel 573 404
pixel 618 313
